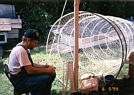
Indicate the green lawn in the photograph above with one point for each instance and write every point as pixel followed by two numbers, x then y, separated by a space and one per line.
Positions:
pixel 39 56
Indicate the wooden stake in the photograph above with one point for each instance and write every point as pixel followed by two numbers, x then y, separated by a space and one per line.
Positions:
pixel 70 74
pixel 76 27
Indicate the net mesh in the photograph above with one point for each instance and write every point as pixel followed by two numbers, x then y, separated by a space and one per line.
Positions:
pixel 104 42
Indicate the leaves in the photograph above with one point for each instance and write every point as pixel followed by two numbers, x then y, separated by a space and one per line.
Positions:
pixel 36 16
pixel 41 15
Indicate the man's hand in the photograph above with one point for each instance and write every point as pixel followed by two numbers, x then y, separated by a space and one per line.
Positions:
pixel 51 69
pixel 125 62
pixel 46 66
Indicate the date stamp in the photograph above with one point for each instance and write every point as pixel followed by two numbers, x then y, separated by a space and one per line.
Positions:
pixel 114 89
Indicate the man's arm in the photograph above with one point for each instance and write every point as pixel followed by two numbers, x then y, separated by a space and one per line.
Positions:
pixel 128 62
pixel 41 66
pixel 25 62
pixel 36 70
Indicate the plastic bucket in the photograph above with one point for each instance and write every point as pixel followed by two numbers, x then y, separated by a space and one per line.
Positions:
pixel 108 78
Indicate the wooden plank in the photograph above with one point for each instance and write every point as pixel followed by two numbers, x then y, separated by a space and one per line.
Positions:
pixel 5 21
pixel 19 21
pixel 5 27
pixel 14 25
pixel 70 74
pixel 13 31
pixel 15 35
pixel 87 41
pixel 91 42
pixel 76 26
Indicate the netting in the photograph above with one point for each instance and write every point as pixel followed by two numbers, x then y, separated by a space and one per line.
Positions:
pixel 104 42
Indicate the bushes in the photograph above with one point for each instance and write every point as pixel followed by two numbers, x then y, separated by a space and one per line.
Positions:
pixel 41 15
pixel 36 15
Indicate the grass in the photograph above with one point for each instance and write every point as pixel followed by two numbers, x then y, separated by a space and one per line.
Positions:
pixel 39 56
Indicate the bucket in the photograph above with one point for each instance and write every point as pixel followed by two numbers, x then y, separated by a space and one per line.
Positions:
pixel 108 79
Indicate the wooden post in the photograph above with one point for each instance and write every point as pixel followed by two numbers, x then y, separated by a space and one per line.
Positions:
pixel 76 27
pixel 70 74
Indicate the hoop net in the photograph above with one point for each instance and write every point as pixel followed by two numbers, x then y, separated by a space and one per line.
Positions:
pixel 104 42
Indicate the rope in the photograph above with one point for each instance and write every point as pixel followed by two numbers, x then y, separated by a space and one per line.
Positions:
pixel 64 87
pixel 62 12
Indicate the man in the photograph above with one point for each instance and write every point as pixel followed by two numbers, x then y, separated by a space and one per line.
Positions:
pixel 36 78
pixel 131 65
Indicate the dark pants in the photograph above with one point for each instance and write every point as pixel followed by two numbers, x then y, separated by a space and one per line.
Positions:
pixel 37 84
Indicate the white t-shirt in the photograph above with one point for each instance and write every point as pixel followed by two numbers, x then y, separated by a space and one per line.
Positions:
pixel 17 59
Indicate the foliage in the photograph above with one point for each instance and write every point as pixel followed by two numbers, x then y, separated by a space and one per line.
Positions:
pixel 38 17
pixel 104 7
pixel 41 15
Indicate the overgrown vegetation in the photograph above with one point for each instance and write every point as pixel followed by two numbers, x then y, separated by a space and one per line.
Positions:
pixel 37 16
pixel 41 15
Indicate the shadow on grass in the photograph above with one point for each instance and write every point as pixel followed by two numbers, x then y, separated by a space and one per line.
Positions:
pixel 39 50
pixel 54 92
